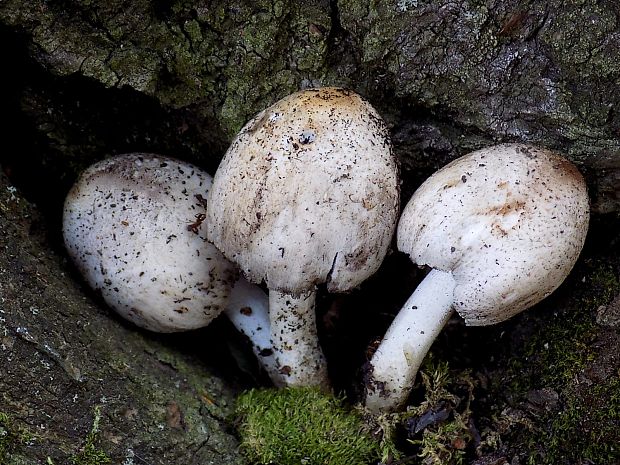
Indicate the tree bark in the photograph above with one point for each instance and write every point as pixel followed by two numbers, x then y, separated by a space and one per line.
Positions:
pixel 448 76
pixel 91 78
pixel 65 361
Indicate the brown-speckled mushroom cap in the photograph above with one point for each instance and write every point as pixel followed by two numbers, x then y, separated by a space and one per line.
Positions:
pixel 307 193
pixel 508 221
pixel 132 225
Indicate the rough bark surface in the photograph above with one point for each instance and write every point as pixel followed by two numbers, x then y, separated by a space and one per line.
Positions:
pixel 449 76
pixel 91 78
pixel 64 361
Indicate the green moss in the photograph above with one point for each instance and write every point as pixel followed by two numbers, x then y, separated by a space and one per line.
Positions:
pixel 437 446
pixel 562 350
pixel 587 427
pixel 91 454
pixel 444 443
pixel 585 431
pixel 296 426
pixel 604 284
pixel 562 346
pixel 11 437
pixel 584 427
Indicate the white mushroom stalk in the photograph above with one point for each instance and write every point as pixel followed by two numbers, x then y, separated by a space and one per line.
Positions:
pixel 306 194
pixel 501 228
pixel 133 226
pixel 248 310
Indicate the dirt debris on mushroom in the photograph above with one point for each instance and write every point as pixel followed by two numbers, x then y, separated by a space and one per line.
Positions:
pixel 133 225
pixel 306 194
pixel 501 229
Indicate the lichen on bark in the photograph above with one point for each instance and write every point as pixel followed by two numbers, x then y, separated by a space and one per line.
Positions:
pixel 63 358
pixel 526 71
pixel 230 57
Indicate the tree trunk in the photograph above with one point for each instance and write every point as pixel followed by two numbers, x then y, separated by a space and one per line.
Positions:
pixel 449 76
pixel 91 78
pixel 68 368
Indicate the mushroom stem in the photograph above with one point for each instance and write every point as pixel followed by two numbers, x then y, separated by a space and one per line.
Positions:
pixel 395 363
pixel 294 337
pixel 248 310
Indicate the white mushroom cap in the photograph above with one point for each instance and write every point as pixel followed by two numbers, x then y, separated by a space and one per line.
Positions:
pixel 132 226
pixel 508 221
pixel 501 227
pixel 307 193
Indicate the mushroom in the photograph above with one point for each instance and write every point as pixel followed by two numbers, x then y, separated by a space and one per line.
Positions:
pixel 306 194
pixel 133 226
pixel 501 229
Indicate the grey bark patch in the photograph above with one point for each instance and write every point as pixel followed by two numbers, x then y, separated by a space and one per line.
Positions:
pixel 609 315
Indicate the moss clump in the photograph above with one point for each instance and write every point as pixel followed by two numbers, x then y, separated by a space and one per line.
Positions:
pixel 604 286
pixel 567 355
pixel 443 442
pixel 562 347
pixel 11 437
pixel 587 429
pixel 561 350
pixel 90 453
pixel 296 426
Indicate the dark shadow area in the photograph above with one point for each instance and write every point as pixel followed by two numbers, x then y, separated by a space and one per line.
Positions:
pixel 56 126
